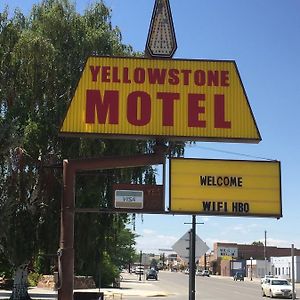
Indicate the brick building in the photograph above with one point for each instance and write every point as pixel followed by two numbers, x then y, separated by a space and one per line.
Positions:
pixel 223 253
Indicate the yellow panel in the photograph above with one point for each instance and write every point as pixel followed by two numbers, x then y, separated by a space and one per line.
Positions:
pixel 225 187
pixel 188 99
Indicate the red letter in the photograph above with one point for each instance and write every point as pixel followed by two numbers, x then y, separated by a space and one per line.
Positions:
pixel 95 71
pixel 109 103
pixel 139 75
pixel 212 78
pixel 168 107
pixel 220 113
pixel 115 75
pixel 105 74
pixel 145 108
pixel 194 110
pixel 186 76
pixel 224 78
pixel 199 77
pixel 126 76
pixel 173 76
pixel 156 75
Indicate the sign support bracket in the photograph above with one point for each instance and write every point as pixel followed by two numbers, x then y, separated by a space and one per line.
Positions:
pixel 70 168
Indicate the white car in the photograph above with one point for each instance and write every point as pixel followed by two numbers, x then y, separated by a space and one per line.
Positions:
pixel 263 279
pixel 275 287
pixel 139 270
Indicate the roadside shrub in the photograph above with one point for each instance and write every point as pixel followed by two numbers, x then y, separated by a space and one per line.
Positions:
pixel 33 278
pixel 109 271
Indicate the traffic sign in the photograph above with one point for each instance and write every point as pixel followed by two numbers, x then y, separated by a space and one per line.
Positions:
pixel 181 247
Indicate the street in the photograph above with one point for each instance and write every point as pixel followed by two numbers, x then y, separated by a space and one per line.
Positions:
pixel 171 285
pixel 175 286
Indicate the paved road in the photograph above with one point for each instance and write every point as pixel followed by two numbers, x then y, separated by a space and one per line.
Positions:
pixel 173 286
pixel 223 288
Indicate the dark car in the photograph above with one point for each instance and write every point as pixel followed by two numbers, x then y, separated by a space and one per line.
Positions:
pixel 205 273
pixel 151 274
pixel 238 276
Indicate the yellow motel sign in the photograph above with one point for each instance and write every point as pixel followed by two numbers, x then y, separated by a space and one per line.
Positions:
pixel 225 187
pixel 200 100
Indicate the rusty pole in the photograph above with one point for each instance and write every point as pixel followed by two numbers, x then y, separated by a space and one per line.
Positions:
pixel 70 167
pixel 66 265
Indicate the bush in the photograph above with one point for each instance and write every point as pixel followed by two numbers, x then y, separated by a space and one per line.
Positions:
pixel 33 278
pixel 109 271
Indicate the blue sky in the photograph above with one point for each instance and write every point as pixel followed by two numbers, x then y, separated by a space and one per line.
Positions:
pixel 262 36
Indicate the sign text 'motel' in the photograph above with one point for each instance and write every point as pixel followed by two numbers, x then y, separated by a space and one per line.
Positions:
pixel 180 99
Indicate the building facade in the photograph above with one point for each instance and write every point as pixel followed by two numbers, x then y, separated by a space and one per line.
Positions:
pixel 282 267
pixel 224 254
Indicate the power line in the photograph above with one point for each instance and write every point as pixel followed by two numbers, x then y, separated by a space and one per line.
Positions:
pixel 230 152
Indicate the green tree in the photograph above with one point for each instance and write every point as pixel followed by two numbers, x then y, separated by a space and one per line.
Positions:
pixel 258 243
pixel 41 58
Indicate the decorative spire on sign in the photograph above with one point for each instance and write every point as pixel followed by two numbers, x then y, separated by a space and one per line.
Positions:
pixel 161 41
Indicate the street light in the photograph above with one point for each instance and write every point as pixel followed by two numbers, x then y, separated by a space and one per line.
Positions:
pixel 251 258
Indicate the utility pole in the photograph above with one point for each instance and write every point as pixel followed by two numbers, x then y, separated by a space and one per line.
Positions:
pixel 140 271
pixel 293 272
pixel 265 253
pixel 192 258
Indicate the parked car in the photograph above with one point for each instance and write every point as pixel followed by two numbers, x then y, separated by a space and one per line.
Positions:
pixel 139 270
pixel 275 287
pixel 238 276
pixel 151 274
pixel 205 273
pixel 186 271
pixel 263 279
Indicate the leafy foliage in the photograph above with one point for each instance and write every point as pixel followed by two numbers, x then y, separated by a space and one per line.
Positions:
pixel 257 243
pixel 41 58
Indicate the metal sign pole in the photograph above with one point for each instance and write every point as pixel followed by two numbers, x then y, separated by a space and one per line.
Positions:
pixel 190 264
pixel 192 259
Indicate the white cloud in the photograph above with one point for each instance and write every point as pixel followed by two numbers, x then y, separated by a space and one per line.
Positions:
pixel 148 232
pixel 280 243
pixel 151 241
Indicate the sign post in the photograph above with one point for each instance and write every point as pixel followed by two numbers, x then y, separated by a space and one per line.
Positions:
pixel 163 99
pixel 189 247
pixel 192 287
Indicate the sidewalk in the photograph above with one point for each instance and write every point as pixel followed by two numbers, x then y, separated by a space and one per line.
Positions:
pixel 130 286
